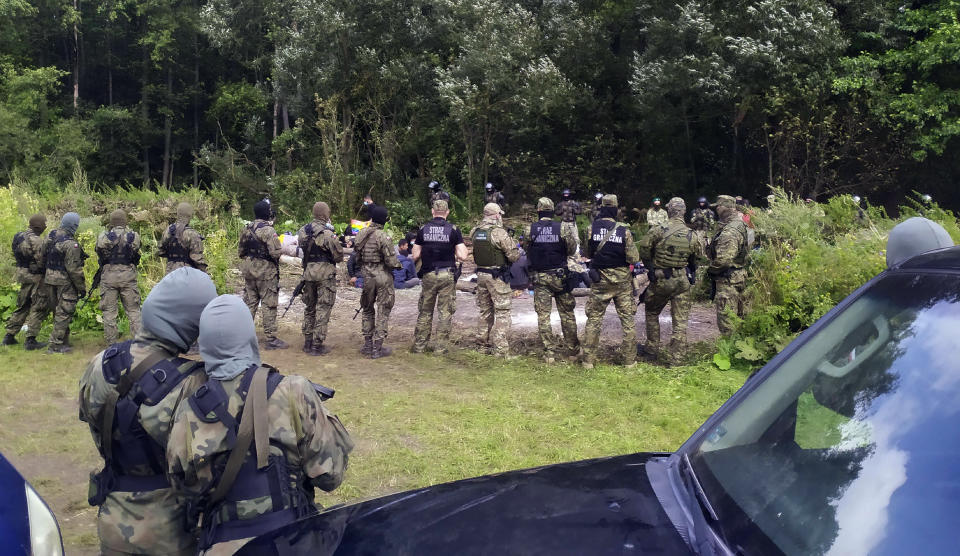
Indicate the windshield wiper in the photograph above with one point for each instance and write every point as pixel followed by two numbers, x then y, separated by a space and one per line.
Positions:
pixel 701 495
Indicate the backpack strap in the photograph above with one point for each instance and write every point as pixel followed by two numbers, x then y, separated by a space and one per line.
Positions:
pixel 124 384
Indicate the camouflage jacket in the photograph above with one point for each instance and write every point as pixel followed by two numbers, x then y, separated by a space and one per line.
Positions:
pixel 254 268
pixel 618 275
pixel 567 211
pixel 375 251
pixel 439 196
pixel 499 237
pixel 494 197
pixel 702 219
pixel 190 239
pixel 325 240
pixel 676 238
pixel 73 258
pixel 117 274
pixel 301 430
pixel 657 217
pixel 728 250
pixel 32 248
pixel 149 522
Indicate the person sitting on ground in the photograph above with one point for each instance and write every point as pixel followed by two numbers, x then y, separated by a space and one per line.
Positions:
pixel 356 280
pixel 406 276
pixel 248 448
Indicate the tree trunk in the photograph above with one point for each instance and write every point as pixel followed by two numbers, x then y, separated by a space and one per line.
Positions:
pixel 766 139
pixel 690 158
pixel 76 56
pixel 145 115
pixel 286 127
pixel 196 103
pixel 168 130
pixel 276 118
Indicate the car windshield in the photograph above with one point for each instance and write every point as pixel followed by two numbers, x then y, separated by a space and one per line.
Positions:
pixel 852 445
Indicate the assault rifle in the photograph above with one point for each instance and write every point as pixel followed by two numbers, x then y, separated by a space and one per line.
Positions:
pixel 296 291
pixel 93 285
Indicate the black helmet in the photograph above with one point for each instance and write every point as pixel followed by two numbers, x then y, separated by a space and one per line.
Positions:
pixel 433 185
pixel 262 209
pixel 489 186
pixel 566 192
pixel 702 200
pixel 598 195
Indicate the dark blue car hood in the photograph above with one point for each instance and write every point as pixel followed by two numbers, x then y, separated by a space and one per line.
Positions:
pixel 600 506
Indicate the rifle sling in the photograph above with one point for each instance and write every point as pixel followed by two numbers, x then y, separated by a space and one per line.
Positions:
pixel 126 382
pixel 253 429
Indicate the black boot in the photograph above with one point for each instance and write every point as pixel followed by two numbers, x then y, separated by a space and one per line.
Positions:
pixel 9 340
pixel 276 343
pixel 320 349
pixel 379 350
pixel 31 344
pixel 367 348
pixel 307 344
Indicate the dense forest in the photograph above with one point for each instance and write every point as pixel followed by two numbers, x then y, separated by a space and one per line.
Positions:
pixel 300 98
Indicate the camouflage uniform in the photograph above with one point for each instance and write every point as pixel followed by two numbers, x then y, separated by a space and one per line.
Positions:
pixel 493 293
pixel 319 279
pixel 615 284
pixel 181 245
pixel 438 240
pixel 494 196
pixel 34 294
pixel 656 216
pixel 702 219
pixel 439 195
pixel 260 258
pixel 144 522
pixel 377 259
pixel 728 259
pixel 310 441
pixel 543 250
pixel 567 212
pixel 667 251
pixel 64 275
pixel 119 252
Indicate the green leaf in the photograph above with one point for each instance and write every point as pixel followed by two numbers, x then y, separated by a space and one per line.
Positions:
pixel 721 361
pixel 748 351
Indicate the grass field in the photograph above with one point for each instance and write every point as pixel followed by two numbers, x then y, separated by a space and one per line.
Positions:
pixel 417 419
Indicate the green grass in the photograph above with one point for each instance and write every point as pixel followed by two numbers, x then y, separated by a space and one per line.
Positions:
pixel 417 419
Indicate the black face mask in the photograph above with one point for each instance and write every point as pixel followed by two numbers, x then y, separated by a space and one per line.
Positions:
pixel 608 212
pixel 545 213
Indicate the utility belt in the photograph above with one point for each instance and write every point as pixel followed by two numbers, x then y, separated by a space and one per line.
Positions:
pixel 726 273
pixel 178 258
pixel 215 532
pixel 107 481
pixel 498 272
pixel 664 273
pixel 261 256
pixel 559 272
pixel 31 269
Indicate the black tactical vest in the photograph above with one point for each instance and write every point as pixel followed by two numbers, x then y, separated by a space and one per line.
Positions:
pixel 55 257
pixel 313 253
pixel 132 447
pixel 22 260
pixel 252 245
pixel 122 251
pixel 614 252
pixel 176 252
pixel 437 249
pixel 548 250
pixel 278 483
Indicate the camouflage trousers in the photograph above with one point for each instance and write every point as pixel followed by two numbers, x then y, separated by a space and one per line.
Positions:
pixel 569 229
pixel 549 287
pixel 493 306
pixel 32 308
pixel 729 299
pixel 676 291
pixel 266 293
pixel 376 301
pixel 601 294
pixel 318 298
pixel 110 298
pixel 150 522
pixel 440 292
pixel 65 298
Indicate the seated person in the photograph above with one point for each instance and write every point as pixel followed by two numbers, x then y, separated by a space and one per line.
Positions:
pixel 405 277
pixel 356 280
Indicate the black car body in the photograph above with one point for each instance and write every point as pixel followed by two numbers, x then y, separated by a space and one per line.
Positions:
pixel 847 442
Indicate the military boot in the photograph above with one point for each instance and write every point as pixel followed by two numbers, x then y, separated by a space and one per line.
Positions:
pixel 61 348
pixel 9 340
pixel 367 348
pixel 31 344
pixel 320 349
pixel 379 350
pixel 308 345
pixel 276 343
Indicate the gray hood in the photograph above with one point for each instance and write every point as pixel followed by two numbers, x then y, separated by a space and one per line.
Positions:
pixel 70 222
pixel 172 310
pixel 228 339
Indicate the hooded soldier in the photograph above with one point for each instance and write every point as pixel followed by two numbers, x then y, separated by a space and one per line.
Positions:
pixel 141 382
pixel 250 447
pixel 259 253
pixel 64 275
pixel 493 251
pixel 728 254
pixel 437 193
pixel 118 251
pixel 321 254
pixel 669 252
pixel 377 259
pixel 549 246
pixel 612 252
pixel 181 245
pixel 491 195
pixel 702 217
pixel 33 299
